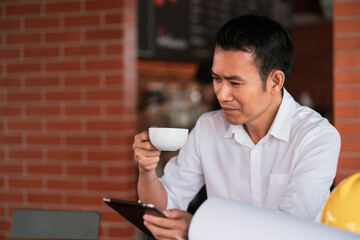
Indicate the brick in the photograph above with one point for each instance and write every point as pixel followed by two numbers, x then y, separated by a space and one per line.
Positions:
pixel 11 197
pixel 25 183
pixel 63 96
pixel 347 60
pixel 23 9
pixel 122 171
pixel 10 82
pixel 347 94
pixel 115 49
pixel 43 140
pixel 41 52
pixel 104 4
pixel 23 67
pixel 122 232
pixel 5 225
pixel 44 198
pixel 64 184
pixel 350 145
pixel 110 125
pixel 64 155
pixel 8 169
pixel 347 43
pixel 341 77
pixel 84 201
pixel 346 8
pixel 104 65
pixel 120 110
pixel 104 95
pixel 113 217
pixel 63 125
pixel 42 111
pixel 9 24
pixel 110 185
pixel 347 111
pixel 346 26
pixel 82 110
pixel 83 141
pixel 119 141
pixel 42 23
pixel 349 162
pixel 110 155
pixel 8 139
pixel 82 50
pixel 23 96
pixel 73 36
pixel 10 111
pixel 104 34
pixel 42 81
pixel 339 178
pixel 62 66
pixel 82 81
pixel 9 53
pixel 82 21
pixel 43 169
pixel 115 80
pixel 23 38
pixel 24 125
pixel 348 128
pixel 83 171
pixel 114 18
pixel 62 7
pixel 25 154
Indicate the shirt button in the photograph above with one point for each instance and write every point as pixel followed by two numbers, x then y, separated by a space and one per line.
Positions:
pixel 256 184
pixel 255 151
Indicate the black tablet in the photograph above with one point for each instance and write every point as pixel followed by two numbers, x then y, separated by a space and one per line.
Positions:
pixel 134 211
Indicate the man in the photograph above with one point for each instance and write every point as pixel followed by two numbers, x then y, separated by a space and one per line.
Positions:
pixel 261 148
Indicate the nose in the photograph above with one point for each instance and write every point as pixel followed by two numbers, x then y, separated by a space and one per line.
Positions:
pixel 223 92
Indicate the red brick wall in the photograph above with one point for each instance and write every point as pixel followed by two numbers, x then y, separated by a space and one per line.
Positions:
pixel 68 90
pixel 347 84
pixel 312 69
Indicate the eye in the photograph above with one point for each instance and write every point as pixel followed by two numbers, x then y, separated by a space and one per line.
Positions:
pixel 217 79
pixel 233 83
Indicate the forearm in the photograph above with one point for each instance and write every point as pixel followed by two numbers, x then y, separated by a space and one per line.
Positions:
pixel 151 190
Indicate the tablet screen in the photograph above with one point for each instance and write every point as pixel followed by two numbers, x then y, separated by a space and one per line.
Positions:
pixel 134 211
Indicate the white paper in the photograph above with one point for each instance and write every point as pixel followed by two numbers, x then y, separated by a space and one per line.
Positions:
pixel 220 218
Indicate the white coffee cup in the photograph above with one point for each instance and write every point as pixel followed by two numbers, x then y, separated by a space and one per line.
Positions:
pixel 168 139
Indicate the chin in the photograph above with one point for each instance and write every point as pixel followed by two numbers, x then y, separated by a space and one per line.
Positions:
pixel 234 121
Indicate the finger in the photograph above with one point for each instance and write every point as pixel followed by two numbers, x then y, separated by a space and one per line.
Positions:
pixel 144 153
pixel 143 136
pixel 174 213
pixel 147 145
pixel 161 233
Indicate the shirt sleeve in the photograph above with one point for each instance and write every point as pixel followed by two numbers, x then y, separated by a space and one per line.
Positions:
pixel 183 175
pixel 313 174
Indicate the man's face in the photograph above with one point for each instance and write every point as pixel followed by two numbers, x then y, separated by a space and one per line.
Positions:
pixel 238 87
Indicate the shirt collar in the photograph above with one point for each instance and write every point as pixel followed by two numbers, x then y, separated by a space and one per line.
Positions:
pixel 280 128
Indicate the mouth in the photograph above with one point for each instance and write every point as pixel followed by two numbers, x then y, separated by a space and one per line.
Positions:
pixel 227 110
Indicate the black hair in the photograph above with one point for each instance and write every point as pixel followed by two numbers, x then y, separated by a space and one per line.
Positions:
pixel 270 43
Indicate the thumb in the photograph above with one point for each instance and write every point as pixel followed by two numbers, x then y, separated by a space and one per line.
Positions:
pixel 174 213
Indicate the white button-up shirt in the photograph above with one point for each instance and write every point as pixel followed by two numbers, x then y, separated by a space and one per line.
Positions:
pixel 289 170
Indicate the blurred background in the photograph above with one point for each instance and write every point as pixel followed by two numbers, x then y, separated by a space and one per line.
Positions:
pixel 79 78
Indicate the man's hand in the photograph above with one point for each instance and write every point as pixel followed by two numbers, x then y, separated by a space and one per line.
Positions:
pixel 146 154
pixel 175 226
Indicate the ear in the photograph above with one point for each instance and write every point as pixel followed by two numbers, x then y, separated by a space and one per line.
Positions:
pixel 276 81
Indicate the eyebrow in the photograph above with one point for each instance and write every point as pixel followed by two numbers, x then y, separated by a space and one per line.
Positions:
pixel 232 77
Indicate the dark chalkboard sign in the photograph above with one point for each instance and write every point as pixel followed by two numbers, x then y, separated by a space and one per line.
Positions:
pixel 184 30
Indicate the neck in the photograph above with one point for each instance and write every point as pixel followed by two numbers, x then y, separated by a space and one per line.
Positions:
pixel 258 128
